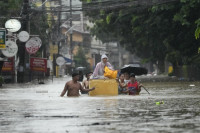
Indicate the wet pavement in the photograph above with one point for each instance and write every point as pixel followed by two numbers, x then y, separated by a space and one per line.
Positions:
pixel 38 108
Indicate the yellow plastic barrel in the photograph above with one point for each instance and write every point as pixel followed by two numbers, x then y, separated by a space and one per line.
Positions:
pixel 103 87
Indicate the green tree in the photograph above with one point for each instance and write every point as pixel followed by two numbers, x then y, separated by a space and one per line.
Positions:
pixel 39 25
pixel 155 33
pixel 9 8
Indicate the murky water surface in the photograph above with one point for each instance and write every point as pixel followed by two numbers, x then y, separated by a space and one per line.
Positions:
pixel 38 108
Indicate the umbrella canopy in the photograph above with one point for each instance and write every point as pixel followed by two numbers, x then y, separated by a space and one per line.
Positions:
pixel 133 69
pixel 80 68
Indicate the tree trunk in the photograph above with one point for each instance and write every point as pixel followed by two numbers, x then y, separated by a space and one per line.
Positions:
pixel 161 66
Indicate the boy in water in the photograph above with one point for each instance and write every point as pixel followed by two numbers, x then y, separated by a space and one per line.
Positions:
pixel 126 77
pixel 122 84
pixel 72 87
pixel 85 83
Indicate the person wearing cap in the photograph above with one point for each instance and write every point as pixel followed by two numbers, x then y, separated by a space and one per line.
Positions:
pixel 73 87
pixel 133 87
pixel 85 83
pixel 99 69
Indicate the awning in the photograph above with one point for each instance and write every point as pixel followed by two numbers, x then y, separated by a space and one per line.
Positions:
pixel 67 60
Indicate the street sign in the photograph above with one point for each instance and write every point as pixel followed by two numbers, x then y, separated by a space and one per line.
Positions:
pixel 11 49
pixel 23 36
pixel 13 25
pixel 33 45
pixel 60 61
pixel 2 39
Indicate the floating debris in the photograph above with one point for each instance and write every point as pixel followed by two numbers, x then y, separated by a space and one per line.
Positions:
pixel 41 91
pixel 192 85
pixel 158 103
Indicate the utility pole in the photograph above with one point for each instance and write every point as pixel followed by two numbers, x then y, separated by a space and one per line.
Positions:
pixel 23 55
pixel 58 31
pixel 44 45
pixel 71 50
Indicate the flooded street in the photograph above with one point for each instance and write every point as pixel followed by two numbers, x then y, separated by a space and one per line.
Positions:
pixel 38 108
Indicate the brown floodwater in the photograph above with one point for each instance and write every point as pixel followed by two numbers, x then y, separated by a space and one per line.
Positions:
pixel 34 108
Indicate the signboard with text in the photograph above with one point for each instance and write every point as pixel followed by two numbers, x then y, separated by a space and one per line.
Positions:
pixel 8 65
pixel 38 64
pixel 2 39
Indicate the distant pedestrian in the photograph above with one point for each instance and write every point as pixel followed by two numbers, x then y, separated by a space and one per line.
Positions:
pixel 73 87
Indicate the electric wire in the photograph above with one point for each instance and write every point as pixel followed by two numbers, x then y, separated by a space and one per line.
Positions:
pixel 109 4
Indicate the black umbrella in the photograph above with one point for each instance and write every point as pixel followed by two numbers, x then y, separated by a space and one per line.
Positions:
pixel 133 69
pixel 80 68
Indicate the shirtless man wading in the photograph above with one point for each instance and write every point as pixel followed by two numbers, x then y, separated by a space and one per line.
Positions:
pixel 72 87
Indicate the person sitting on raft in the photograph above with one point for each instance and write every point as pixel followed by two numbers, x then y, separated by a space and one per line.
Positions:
pixel 99 69
pixel 133 87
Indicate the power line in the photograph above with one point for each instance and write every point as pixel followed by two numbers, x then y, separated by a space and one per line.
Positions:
pixel 105 5
pixel 109 4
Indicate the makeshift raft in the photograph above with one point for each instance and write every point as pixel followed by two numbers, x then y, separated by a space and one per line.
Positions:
pixel 103 87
